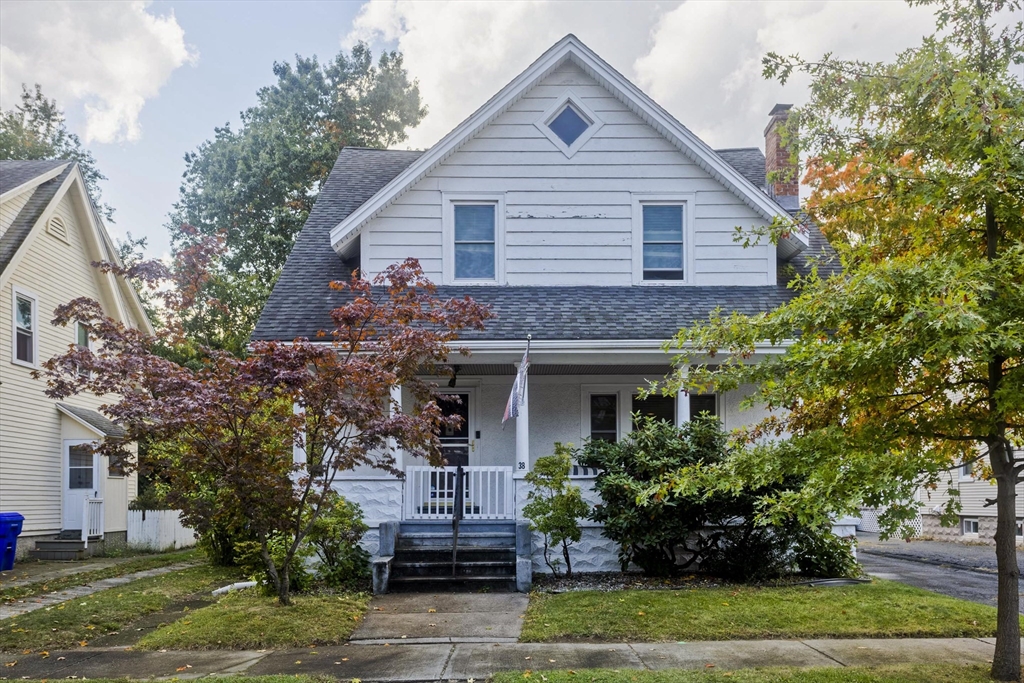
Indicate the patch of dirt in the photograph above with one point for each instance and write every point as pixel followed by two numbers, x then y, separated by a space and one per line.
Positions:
pixel 133 632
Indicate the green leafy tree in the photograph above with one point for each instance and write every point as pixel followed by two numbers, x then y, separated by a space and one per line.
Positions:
pixel 909 362
pixel 554 506
pixel 35 129
pixel 256 185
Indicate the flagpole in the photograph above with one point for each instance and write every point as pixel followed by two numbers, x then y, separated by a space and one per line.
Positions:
pixel 523 418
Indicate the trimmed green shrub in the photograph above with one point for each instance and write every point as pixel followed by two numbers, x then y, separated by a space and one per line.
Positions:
pixel 554 506
pixel 335 537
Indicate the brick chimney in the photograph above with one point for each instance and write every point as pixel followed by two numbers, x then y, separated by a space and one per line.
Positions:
pixel 786 188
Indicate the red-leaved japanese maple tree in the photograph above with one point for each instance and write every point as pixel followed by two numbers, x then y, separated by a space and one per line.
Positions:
pixel 271 430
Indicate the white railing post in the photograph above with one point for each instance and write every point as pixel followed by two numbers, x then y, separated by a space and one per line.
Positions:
pixel 85 521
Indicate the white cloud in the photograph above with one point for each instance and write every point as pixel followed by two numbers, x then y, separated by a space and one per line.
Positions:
pixel 700 60
pixel 107 57
pixel 464 52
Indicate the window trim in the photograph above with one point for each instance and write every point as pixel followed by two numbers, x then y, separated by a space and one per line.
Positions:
pixel 963 522
pixel 16 292
pixel 568 97
pixel 964 474
pixel 687 201
pixel 449 201
pixel 624 393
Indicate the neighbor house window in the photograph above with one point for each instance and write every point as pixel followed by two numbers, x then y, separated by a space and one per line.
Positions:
pixel 604 417
pixel 706 404
pixel 26 328
pixel 1020 528
pixel 969 526
pixel 967 471
pixel 659 407
pixel 663 242
pixel 115 466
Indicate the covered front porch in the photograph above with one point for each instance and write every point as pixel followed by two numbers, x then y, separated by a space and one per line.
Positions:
pixel 575 391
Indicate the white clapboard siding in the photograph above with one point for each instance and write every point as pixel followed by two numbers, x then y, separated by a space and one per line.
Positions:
pixel 569 221
pixel 10 208
pixel 30 424
pixel 158 530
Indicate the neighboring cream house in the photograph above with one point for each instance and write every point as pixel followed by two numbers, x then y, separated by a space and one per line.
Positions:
pixel 50 233
pixel 977 518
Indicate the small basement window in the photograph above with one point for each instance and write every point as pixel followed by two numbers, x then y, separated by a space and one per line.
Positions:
pixel 969 526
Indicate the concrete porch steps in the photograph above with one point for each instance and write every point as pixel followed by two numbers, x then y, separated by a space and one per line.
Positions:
pixel 59 550
pixel 485 559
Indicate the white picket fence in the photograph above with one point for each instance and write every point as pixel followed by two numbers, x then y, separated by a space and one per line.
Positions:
pixel 158 530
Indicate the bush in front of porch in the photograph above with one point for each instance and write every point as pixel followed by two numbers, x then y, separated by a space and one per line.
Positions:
pixel 665 533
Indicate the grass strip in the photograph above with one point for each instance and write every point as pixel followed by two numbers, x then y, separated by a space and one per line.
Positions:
pixel 247 620
pixel 75 622
pixel 882 609
pixel 930 673
pixel 139 564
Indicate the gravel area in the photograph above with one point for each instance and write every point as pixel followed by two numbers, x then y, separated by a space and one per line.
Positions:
pixel 613 581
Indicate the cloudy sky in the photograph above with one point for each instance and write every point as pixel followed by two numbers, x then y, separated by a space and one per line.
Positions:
pixel 143 83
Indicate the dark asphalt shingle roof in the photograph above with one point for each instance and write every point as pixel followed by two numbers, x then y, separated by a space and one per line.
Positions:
pixel 96 420
pixel 16 173
pixel 19 230
pixel 301 301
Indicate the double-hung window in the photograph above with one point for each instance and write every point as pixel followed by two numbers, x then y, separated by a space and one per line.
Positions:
pixel 475 244
pixel 474 239
pixel 26 328
pixel 82 341
pixel 661 239
pixel 604 417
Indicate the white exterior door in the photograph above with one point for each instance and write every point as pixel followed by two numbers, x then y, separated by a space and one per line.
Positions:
pixel 81 480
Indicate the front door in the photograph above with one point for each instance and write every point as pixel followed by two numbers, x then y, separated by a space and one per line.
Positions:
pixel 455 441
pixel 81 480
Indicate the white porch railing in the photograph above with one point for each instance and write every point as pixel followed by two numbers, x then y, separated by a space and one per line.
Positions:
pixel 488 492
pixel 92 519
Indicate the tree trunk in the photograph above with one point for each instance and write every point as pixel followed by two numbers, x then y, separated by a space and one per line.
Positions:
pixel 282 587
pixel 1006 662
pixel 568 563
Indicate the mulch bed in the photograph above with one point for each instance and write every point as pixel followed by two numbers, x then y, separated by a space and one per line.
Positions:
pixel 614 581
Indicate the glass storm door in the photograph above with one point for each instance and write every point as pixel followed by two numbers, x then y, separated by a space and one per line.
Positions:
pixel 81 481
pixel 455 443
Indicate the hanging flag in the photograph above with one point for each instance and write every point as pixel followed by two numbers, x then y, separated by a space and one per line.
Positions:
pixel 515 399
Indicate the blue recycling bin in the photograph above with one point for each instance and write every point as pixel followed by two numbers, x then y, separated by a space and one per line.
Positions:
pixel 10 529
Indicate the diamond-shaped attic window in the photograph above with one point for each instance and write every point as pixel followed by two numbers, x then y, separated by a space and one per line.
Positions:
pixel 569 125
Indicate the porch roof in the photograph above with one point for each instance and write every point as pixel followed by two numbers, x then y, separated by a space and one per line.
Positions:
pixel 92 420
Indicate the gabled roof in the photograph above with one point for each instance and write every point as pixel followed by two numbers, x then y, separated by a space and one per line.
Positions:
pixel 301 302
pixel 570 48
pixel 19 230
pixel 15 175
pixel 92 421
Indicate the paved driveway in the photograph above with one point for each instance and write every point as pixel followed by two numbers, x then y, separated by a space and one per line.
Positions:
pixel 961 571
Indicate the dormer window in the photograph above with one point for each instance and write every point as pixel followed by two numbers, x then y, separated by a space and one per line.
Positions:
pixel 568 123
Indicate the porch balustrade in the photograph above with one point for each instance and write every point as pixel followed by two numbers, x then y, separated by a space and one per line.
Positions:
pixel 92 519
pixel 489 492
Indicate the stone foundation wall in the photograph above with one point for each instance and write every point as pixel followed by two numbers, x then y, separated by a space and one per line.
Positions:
pixel 986 531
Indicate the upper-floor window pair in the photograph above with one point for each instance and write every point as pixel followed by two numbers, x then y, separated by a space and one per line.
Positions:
pixel 26 329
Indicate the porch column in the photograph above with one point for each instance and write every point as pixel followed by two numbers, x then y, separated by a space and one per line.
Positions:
pixel 682 407
pixel 523 434
pixel 396 407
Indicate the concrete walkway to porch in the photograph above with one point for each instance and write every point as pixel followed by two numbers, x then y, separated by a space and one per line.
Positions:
pixel 443 618
pixel 401 661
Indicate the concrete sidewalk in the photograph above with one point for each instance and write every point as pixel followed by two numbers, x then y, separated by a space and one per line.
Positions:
pixel 462 661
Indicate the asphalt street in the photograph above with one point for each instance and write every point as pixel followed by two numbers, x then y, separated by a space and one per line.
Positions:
pixel 957 570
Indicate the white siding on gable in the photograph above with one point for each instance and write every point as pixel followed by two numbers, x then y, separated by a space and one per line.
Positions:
pixel 569 220
pixel 31 428
pixel 9 209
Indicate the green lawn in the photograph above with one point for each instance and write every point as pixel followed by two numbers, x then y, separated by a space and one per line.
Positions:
pixel 947 673
pixel 247 620
pixel 76 622
pixel 138 564
pixel 882 609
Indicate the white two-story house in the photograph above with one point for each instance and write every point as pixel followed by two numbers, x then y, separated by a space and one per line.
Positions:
pixel 590 219
pixel 50 234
